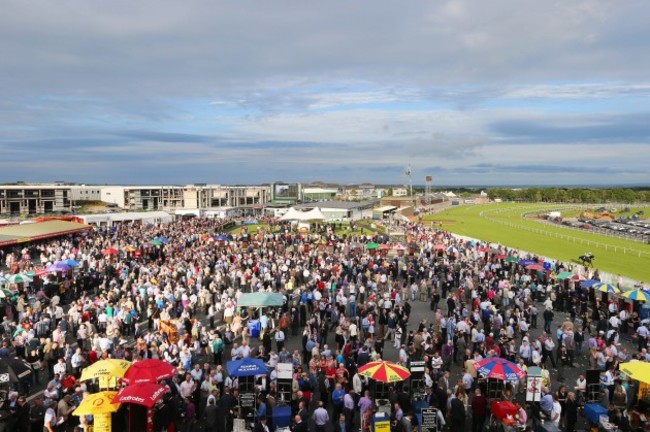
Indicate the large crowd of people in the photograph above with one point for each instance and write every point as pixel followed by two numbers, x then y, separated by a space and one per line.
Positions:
pixel 175 299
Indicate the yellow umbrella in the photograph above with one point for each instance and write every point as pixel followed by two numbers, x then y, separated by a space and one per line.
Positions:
pixel 109 368
pixel 637 370
pixel 97 403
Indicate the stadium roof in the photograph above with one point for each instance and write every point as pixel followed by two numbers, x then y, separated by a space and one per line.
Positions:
pixel 38 231
pixel 342 205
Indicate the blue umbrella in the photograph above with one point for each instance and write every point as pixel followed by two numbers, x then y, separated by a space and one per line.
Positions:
pixel 246 367
pixel 525 262
pixel 588 283
pixel 71 262
pixel 222 237
pixel 163 240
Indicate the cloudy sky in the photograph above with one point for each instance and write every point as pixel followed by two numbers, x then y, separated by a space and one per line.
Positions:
pixel 470 92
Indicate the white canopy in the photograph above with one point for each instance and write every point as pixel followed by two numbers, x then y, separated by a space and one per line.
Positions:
pixel 293 214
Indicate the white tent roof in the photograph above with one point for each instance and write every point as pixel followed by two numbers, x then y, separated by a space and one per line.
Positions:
pixel 313 214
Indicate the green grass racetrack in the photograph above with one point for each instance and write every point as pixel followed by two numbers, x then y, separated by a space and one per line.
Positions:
pixel 504 223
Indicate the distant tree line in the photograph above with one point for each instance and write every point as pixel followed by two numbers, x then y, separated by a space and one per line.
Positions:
pixel 572 195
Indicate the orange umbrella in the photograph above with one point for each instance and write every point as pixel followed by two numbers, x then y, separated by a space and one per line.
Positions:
pixel 384 371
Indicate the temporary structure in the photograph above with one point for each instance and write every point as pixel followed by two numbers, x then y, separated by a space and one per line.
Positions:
pixel 259 299
pixel 303 216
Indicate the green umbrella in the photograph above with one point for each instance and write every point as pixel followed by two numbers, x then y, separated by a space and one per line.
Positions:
pixel 564 275
pixel 155 242
pixel 372 246
pixel 19 278
pixel 511 259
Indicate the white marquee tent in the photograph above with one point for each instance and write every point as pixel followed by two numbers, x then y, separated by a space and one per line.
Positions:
pixel 303 216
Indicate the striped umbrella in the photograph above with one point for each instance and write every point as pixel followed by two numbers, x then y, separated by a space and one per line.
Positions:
pixel 605 287
pixel 499 368
pixel 637 294
pixel 19 278
pixel 384 371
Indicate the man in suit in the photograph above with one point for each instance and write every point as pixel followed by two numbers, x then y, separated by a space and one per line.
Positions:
pixel 210 415
pixel 299 425
pixel 262 425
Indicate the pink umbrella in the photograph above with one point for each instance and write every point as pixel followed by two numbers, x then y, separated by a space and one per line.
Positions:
pixel 536 267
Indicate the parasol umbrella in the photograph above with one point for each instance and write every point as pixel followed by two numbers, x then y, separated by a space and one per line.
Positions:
pixel 222 237
pixel 108 368
pixel 564 275
pixel 58 267
pixel 97 403
pixel 12 370
pixel 19 278
pixel 384 247
pixel 149 371
pixel 439 247
pixel 536 267
pixel 373 245
pixel 246 367
pixel 384 371
pixel 499 368
pixel 482 249
pixel 637 370
pixel 399 247
pixel 511 260
pixel 155 242
pixel 128 248
pixel 71 262
pixel 605 287
pixel 577 277
pixel 5 293
pixel 146 394
pixel 638 295
pixel 588 283
pixel 110 251
pixel 525 262
pixel 501 256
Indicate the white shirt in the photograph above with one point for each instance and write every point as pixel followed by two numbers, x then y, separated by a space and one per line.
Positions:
pixel 556 412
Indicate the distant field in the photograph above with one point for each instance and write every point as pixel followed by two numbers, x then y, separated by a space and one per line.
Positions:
pixel 503 223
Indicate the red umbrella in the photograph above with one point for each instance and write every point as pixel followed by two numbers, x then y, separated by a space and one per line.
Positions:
pixel 439 247
pixel 399 247
pixel 502 256
pixel 535 267
pixel 146 394
pixel 110 251
pixel 383 246
pixel 482 249
pixel 149 371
